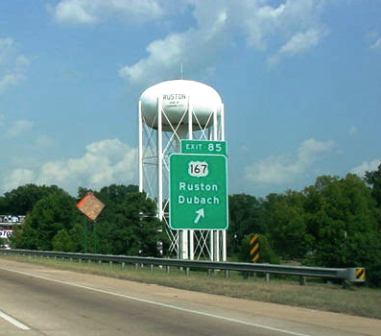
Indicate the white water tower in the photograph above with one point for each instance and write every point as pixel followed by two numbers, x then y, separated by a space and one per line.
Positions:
pixel 168 112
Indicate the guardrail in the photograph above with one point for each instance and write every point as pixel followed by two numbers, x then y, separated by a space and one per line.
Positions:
pixel 343 274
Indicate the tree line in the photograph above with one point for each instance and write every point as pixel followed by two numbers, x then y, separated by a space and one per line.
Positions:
pixel 127 225
pixel 336 222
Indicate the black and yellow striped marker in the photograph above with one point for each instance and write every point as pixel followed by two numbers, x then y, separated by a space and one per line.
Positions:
pixel 360 274
pixel 254 248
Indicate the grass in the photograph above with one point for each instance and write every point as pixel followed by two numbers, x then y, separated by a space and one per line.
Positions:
pixel 360 301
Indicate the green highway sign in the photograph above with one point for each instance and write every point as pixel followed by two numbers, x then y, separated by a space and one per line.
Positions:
pixel 203 147
pixel 198 192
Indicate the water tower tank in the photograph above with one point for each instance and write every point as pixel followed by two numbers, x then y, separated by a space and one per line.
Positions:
pixel 175 96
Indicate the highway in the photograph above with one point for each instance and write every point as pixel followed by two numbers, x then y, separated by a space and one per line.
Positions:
pixel 36 300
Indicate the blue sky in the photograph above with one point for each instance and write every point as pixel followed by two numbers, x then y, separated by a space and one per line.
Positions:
pixel 300 80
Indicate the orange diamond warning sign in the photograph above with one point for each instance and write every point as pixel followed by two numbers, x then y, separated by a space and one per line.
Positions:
pixel 90 206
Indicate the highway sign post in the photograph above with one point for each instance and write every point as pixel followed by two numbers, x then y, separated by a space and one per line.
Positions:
pixel 198 192
pixel 91 207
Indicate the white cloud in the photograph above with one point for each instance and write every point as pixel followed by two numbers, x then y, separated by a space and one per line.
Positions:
pixel 366 166
pixel 103 163
pixel 96 11
pixel 43 141
pixel 376 44
pixel 6 45
pixel 261 21
pixel 18 177
pixel 9 80
pixel 194 49
pixel 286 28
pixel 353 130
pixel 12 64
pixel 298 43
pixel 284 169
pixel 21 61
pixel 19 127
pixel 73 12
pixel 294 24
pixel 301 41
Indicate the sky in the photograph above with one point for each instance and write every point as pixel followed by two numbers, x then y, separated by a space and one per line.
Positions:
pixel 300 81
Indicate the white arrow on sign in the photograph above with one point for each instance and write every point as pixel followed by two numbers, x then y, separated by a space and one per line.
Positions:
pixel 200 213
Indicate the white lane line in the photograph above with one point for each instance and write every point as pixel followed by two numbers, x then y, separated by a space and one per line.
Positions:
pixel 13 321
pixel 160 304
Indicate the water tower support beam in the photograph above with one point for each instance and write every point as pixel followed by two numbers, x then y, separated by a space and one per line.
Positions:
pixel 140 126
pixel 159 160
pixel 222 130
pixel 214 239
pixel 217 245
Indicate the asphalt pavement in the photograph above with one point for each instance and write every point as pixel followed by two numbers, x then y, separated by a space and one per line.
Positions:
pixel 35 300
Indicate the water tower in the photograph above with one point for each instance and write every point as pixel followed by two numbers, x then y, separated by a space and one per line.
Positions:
pixel 168 112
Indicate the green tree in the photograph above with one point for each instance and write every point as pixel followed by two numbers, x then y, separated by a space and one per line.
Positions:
pixel 266 252
pixel 128 224
pixel 53 213
pixel 3 206
pixel 21 200
pixel 82 192
pixel 244 219
pixel 343 220
pixel 373 178
pixel 284 216
pixel 77 235
pixel 62 241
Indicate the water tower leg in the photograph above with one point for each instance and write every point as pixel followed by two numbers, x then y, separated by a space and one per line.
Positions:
pixel 191 244
pixel 183 237
pixel 140 148
pixel 224 253
pixel 159 160
pixel 216 245
pixel 211 245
